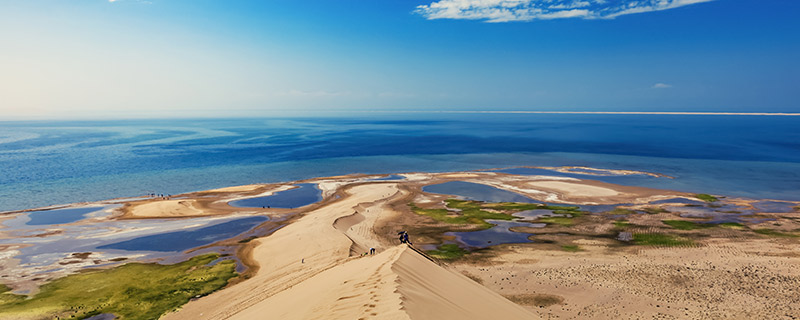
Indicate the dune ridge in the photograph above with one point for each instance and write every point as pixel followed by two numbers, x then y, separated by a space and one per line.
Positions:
pixel 313 269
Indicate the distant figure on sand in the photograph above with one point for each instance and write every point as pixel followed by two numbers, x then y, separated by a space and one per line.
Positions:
pixel 404 237
pixel 371 251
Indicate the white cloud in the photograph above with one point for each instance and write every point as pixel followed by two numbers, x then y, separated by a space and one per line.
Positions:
pixel 661 86
pixel 527 10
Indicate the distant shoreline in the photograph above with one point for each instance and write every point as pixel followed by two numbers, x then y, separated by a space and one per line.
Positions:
pixel 785 114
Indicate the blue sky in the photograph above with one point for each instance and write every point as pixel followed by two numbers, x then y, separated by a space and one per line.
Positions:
pixel 133 58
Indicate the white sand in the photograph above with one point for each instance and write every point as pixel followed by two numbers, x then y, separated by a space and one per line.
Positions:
pixel 575 189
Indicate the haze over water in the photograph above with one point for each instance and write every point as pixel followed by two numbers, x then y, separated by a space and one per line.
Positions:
pixel 47 163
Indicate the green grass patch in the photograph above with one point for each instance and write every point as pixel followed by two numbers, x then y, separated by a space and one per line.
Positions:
pixel 773 233
pixel 731 225
pixel 570 248
pixel 621 223
pixel 691 225
pixel 469 214
pixel 512 206
pixel 475 212
pixel 659 239
pixel 448 252
pixel 706 197
pixel 130 291
pixel 562 221
pixel 621 211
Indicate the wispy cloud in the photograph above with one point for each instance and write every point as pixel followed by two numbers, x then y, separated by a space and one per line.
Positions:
pixel 527 10
pixel 661 86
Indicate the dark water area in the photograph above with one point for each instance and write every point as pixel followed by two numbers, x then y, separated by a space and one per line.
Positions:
pixel 59 216
pixel 55 162
pixel 183 240
pixel 305 194
pixel 476 191
pixel 499 234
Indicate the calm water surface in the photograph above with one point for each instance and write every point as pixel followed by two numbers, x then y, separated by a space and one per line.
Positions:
pixel 46 163
pixel 476 191
pixel 305 194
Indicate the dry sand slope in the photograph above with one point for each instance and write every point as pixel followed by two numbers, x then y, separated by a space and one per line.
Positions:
pixel 307 272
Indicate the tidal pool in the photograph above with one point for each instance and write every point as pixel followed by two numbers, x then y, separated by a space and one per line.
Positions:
pixel 182 240
pixel 476 191
pixel 498 234
pixel 59 216
pixel 305 194
pixel 36 219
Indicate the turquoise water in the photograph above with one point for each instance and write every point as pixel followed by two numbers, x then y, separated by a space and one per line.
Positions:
pixel 303 195
pixel 47 163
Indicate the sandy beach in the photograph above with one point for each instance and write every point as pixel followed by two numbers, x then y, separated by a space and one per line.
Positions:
pixel 317 264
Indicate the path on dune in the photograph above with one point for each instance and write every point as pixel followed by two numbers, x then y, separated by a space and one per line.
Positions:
pixel 312 269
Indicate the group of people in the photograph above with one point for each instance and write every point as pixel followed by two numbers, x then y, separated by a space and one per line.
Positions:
pixel 403 237
pixel 160 196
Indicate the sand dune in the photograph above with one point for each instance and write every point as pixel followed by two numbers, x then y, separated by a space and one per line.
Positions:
pixel 312 269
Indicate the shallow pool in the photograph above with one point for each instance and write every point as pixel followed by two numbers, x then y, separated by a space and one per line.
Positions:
pixel 476 191
pixel 498 234
pixel 305 194
pixel 182 240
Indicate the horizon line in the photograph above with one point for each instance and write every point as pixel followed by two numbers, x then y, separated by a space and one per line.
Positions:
pixel 790 114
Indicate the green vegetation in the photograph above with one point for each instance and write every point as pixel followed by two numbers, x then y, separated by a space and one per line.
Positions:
pixel 475 212
pixel 658 239
pixel 130 291
pixel 7 297
pixel 562 221
pixel 731 225
pixel 448 252
pixel 691 225
pixel 510 206
pixel 570 248
pixel 686 225
pixel 621 223
pixel 621 211
pixel 706 197
pixel 770 232
pixel 470 213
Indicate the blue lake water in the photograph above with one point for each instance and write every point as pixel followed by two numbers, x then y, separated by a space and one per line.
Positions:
pixel 305 194
pixel 498 234
pixel 59 216
pixel 183 240
pixel 476 191
pixel 46 163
